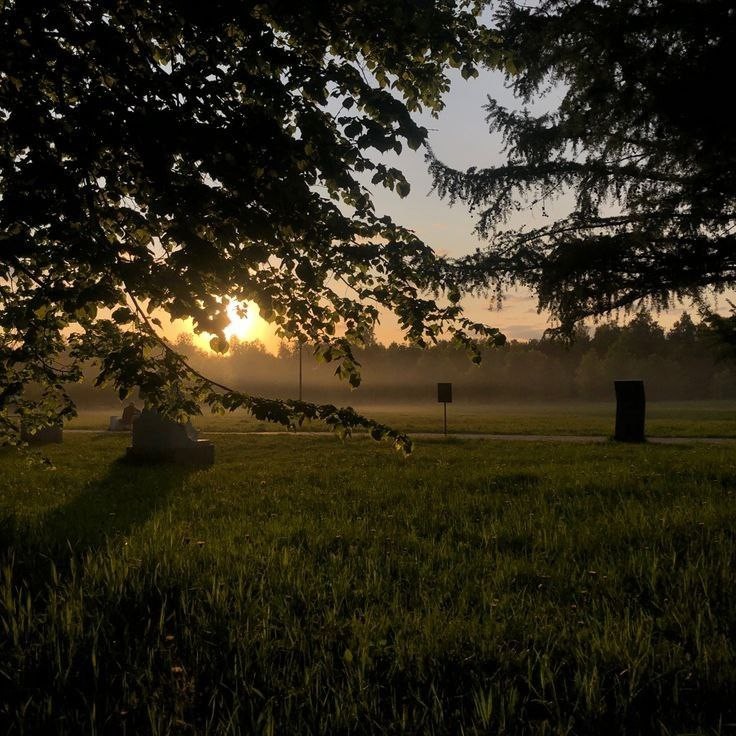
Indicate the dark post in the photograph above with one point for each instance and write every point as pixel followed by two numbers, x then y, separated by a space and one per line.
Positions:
pixel 444 396
pixel 630 411
pixel 300 371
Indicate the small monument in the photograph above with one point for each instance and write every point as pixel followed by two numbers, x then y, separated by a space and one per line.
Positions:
pixel 125 422
pixel 630 411
pixel 158 439
pixel 50 435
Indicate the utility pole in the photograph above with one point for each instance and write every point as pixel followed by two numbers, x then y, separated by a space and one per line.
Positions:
pixel 300 370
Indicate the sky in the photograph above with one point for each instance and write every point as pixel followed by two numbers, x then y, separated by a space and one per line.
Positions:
pixel 460 138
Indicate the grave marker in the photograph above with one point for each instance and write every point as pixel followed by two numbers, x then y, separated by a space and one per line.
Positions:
pixel 630 411
pixel 158 439
pixel 125 422
pixel 51 435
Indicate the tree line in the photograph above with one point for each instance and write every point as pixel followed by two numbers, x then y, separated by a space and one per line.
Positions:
pixel 687 361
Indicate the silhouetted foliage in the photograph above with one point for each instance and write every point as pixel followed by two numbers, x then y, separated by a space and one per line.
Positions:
pixel 639 138
pixel 171 156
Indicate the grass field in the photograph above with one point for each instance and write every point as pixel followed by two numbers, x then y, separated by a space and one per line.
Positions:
pixel 306 586
pixel 664 419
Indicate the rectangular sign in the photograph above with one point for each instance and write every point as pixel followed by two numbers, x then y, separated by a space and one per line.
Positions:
pixel 444 393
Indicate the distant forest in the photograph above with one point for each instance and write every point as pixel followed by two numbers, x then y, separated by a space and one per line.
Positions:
pixel 686 362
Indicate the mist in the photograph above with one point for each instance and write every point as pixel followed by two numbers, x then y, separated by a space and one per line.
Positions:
pixel 687 362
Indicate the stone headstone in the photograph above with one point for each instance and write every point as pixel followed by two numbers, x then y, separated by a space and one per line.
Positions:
pixel 630 411
pixel 125 422
pixel 158 439
pixel 116 425
pixel 52 435
pixel 130 415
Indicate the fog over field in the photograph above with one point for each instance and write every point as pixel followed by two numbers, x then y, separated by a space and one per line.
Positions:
pixel 684 363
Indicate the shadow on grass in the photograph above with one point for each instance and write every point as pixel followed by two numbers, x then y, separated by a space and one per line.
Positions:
pixel 127 496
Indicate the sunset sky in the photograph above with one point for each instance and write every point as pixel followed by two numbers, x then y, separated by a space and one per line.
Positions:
pixel 460 138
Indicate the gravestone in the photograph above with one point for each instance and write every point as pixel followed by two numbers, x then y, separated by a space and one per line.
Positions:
pixel 116 425
pixel 158 439
pixel 125 422
pixel 51 435
pixel 630 411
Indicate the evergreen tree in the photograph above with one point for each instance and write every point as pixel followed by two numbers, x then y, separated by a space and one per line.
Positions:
pixel 641 140
pixel 684 332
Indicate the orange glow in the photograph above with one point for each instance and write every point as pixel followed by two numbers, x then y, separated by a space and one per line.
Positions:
pixel 243 327
pixel 246 327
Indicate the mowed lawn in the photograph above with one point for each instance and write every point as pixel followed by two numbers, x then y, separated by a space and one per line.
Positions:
pixel 308 586
pixel 715 418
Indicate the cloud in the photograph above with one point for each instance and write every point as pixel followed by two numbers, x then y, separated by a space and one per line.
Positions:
pixel 523 332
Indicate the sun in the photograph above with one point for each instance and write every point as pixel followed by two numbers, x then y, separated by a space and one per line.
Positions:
pixel 242 326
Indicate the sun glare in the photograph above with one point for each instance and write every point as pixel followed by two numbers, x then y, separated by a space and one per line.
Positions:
pixel 245 328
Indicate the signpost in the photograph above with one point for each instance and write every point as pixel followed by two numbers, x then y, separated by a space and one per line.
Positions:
pixel 444 396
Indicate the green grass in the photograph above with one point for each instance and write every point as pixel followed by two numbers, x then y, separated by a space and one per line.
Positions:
pixel 306 586
pixel 664 419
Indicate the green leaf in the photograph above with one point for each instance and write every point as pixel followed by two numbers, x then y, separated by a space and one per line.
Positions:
pixel 403 188
pixel 468 71
pixel 122 315
pixel 219 345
